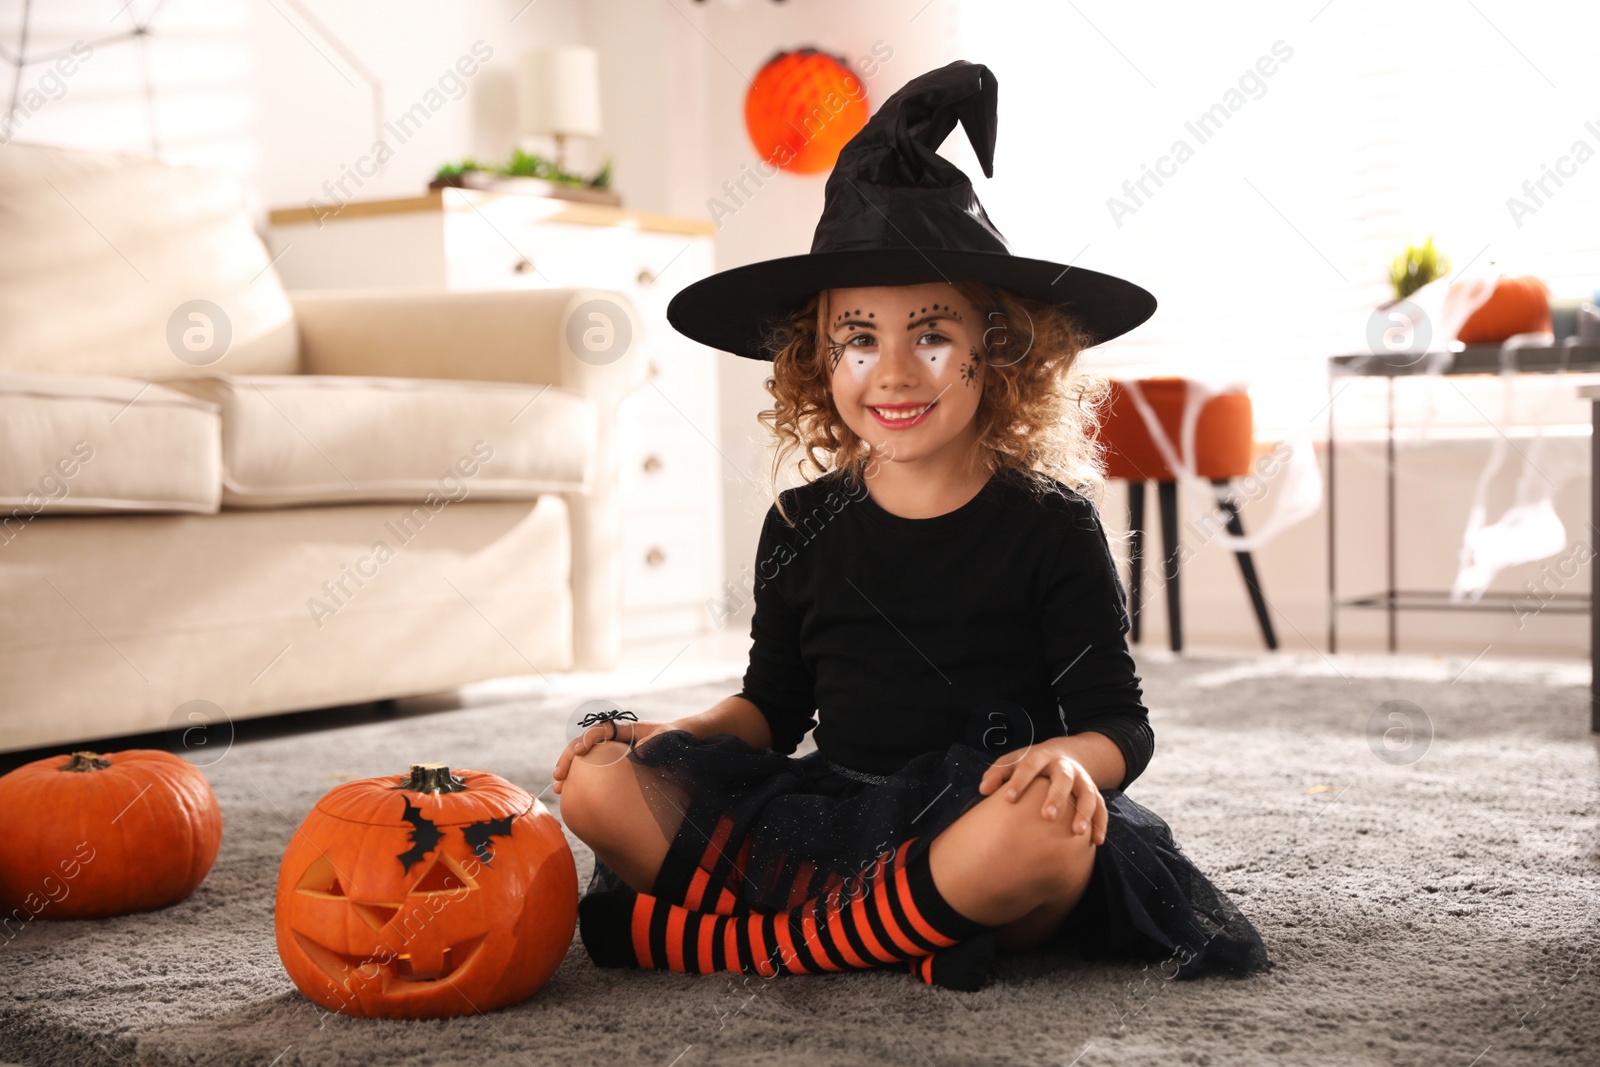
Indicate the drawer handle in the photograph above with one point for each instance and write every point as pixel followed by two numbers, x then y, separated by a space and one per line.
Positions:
pixel 652 370
pixel 655 557
pixel 652 463
pixel 646 278
pixel 523 266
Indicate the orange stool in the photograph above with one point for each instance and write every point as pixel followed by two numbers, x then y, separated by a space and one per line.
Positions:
pixel 1224 434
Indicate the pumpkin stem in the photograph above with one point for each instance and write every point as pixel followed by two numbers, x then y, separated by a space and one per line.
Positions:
pixel 84 762
pixel 432 778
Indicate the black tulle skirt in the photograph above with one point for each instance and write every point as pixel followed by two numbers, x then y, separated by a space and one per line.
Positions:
pixel 756 830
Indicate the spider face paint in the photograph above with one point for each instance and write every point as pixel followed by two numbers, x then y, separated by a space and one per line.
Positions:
pixel 969 370
pixel 835 352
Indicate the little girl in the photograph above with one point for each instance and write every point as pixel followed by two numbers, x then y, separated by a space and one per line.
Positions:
pixel 940 604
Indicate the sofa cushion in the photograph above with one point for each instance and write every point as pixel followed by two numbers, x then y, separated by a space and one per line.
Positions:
pixel 79 443
pixel 108 256
pixel 323 439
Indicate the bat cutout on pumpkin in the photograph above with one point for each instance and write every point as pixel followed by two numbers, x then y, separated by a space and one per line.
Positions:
pixel 425 837
pixel 479 833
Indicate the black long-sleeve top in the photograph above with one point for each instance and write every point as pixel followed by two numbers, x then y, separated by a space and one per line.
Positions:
pixel 889 634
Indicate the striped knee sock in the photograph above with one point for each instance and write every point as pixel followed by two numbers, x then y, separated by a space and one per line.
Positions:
pixel 897 915
pixel 712 881
pixel 965 966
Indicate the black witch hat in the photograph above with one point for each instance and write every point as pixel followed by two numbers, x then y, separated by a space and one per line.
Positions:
pixel 898 213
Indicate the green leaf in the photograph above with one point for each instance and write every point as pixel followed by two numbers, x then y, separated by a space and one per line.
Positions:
pixel 1415 267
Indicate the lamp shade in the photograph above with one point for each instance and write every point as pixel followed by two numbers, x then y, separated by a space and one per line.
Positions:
pixel 559 92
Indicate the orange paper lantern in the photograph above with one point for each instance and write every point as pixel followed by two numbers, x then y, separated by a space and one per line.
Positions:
pixel 802 108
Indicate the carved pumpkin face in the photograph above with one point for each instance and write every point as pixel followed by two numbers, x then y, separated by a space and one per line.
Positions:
pixel 425 895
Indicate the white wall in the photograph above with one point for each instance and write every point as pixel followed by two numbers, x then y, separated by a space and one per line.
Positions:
pixel 292 94
pixel 183 90
pixel 1268 242
pixel 317 122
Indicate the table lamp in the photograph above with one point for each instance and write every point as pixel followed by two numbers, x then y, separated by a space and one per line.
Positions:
pixel 560 95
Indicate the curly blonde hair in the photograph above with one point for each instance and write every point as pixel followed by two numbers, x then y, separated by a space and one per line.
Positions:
pixel 1038 414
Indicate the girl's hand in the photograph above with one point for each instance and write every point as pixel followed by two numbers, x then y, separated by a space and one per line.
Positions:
pixel 599 734
pixel 1071 788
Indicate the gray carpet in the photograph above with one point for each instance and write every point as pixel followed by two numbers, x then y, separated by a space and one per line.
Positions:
pixel 1441 911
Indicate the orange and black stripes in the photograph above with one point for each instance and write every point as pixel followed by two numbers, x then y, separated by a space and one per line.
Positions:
pixel 710 882
pixel 891 914
pixel 714 881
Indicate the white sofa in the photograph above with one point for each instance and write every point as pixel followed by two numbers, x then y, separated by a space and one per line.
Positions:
pixel 368 495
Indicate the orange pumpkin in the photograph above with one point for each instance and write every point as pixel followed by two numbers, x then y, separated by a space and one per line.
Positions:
pixel 425 895
pixel 1517 305
pixel 92 835
pixel 802 108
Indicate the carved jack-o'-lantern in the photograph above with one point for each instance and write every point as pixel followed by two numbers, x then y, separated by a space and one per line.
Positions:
pixel 425 895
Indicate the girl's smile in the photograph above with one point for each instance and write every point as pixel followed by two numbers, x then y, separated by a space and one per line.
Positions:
pixel 900 416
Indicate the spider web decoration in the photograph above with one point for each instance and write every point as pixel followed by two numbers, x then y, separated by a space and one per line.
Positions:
pixel 21 59
pixel 140 30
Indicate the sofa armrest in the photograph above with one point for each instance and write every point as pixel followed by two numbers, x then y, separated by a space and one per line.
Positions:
pixel 585 340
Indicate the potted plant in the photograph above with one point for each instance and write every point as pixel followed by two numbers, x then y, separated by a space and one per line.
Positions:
pixel 1415 267
pixel 1401 326
pixel 531 175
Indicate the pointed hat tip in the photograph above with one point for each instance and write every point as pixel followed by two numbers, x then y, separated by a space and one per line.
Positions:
pixel 916 119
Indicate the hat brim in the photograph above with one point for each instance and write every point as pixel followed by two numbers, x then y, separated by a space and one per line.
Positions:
pixel 733 310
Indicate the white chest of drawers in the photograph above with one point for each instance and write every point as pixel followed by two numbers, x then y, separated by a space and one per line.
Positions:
pixel 467 239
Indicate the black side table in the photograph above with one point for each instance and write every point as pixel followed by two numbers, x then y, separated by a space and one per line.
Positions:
pixel 1571 356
